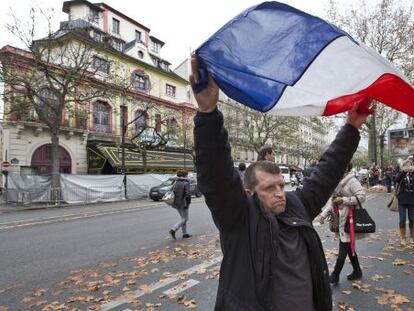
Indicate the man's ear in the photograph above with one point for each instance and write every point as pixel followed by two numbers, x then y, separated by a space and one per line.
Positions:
pixel 250 192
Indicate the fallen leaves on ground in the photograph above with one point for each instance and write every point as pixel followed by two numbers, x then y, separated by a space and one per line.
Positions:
pixel 188 303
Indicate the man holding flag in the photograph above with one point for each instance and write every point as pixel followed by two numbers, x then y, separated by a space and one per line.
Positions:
pixel 273 257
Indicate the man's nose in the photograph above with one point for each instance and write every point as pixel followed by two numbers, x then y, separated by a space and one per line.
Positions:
pixel 279 192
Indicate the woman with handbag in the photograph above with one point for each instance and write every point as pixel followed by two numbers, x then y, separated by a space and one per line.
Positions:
pixel 405 195
pixel 182 200
pixel 344 198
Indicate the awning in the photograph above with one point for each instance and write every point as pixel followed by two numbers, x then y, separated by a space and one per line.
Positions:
pixel 296 168
pixel 155 159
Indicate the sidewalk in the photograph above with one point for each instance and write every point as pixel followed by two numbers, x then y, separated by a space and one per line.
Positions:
pixel 124 204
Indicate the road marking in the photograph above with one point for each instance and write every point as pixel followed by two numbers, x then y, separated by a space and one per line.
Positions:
pixel 162 283
pixel 181 287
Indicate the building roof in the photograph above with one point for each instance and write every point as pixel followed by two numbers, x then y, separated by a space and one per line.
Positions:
pixel 67 4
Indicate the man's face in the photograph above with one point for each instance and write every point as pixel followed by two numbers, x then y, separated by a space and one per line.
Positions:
pixel 270 156
pixel 270 190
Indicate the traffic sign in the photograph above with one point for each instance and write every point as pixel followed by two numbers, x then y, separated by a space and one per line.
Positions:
pixel 5 164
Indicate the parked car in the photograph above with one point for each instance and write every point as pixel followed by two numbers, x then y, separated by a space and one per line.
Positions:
pixel 156 193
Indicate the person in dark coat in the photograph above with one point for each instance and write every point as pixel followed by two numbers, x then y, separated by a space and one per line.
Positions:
pixel 405 195
pixel 242 170
pixel 388 177
pixel 182 202
pixel 273 258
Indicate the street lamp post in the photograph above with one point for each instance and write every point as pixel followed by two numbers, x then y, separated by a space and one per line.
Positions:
pixel 374 126
pixel 123 131
pixel 185 138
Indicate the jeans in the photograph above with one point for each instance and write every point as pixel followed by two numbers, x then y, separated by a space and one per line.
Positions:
pixel 183 222
pixel 405 209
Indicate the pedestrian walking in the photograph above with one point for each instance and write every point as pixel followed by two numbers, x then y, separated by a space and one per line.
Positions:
pixel 242 170
pixel 182 200
pixel 272 256
pixel 405 195
pixel 266 153
pixel 346 196
pixel 388 177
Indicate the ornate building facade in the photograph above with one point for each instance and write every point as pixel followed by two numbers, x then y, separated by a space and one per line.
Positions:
pixel 146 98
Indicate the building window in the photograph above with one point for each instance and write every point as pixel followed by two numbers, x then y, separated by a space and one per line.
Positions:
pixel 137 36
pixel 101 117
pixel 141 119
pixel 115 26
pixel 97 36
pixel 158 123
pixel 170 90
pixel 140 81
pixel 100 64
pixel 47 98
pixel 155 47
pixel 48 104
pixel 117 45
pixel 172 129
pixel 93 16
pixel 141 54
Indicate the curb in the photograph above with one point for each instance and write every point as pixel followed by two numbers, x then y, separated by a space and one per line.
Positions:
pixel 4 210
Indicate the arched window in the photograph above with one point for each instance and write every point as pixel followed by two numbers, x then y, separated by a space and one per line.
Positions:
pixel 140 81
pixel 141 120
pixel 101 117
pixel 47 98
pixel 48 103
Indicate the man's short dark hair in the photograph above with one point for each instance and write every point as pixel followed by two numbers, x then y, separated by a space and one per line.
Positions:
pixel 263 151
pixel 250 180
pixel 242 166
pixel 182 173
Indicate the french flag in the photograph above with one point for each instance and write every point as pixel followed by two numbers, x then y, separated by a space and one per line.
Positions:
pixel 276 59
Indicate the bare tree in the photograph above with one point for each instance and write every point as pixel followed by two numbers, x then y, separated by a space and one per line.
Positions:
pixel 155 133
pixel 387 27
pixel 252 130
pixel 53 76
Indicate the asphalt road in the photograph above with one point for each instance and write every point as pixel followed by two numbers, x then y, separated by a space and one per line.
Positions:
pixel 123 259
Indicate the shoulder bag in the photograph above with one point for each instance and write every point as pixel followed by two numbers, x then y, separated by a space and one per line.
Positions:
pixel 169 196
pixel 393 204
pixel 363 223
pixel 334 220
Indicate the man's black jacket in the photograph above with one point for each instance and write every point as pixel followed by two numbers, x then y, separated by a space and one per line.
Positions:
pixel 248 233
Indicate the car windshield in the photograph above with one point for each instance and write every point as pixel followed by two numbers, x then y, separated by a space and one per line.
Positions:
pixel 168 182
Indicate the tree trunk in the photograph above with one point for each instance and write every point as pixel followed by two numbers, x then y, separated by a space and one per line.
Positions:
pixel 144 159
pixel 372 142
pixel 55 167
pixel 382 150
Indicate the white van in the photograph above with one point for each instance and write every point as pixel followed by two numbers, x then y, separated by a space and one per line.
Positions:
pixel 285 171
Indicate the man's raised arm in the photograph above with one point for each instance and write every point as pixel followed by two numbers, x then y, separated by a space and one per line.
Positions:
pixel 330 169
pixel 217 179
